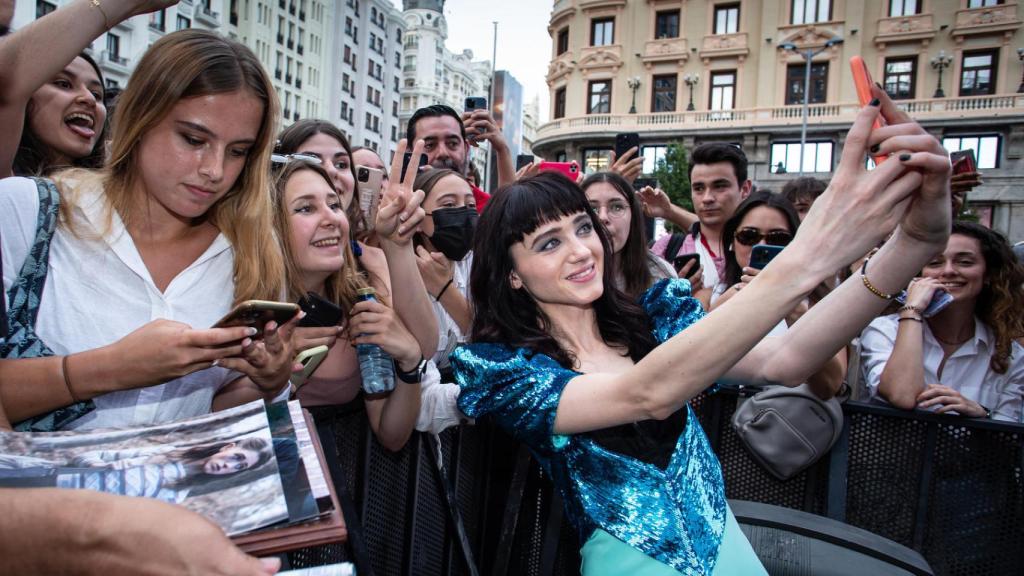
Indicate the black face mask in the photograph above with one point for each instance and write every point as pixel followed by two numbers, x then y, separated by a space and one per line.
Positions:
pixel 453 231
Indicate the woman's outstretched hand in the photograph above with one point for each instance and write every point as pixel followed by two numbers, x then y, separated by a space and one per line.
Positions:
pixel 927 212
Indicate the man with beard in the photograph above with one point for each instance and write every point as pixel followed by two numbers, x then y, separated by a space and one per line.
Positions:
pixel 447 143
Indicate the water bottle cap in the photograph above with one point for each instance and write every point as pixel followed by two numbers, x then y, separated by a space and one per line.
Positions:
pixel 368 291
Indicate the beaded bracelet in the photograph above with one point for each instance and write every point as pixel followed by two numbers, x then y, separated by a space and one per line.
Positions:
pixel 870 286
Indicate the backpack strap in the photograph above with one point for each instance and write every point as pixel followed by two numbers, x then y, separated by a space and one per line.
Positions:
pixel 25 296
pixel 672 248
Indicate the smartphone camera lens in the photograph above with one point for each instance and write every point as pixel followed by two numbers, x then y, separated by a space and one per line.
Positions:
pixel 363 174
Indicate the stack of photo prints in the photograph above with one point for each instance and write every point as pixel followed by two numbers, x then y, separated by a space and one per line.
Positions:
pixel 255 470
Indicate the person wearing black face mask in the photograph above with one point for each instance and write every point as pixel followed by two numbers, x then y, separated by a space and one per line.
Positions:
pixel 443 254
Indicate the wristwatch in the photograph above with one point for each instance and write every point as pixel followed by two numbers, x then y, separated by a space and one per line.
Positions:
pixel 414 376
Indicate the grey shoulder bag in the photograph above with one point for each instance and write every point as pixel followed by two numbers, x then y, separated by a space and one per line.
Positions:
pixel 788 429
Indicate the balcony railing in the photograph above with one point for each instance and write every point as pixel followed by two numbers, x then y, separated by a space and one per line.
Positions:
pixel 966 107
pixel 904 28
pixel 115 59
pixel 207 16
pixel 986 20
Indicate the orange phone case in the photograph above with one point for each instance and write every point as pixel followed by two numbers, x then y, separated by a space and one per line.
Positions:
pixel 862 81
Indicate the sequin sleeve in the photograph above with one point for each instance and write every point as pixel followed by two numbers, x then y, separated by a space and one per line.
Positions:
pixel 518 388
pixel 671 307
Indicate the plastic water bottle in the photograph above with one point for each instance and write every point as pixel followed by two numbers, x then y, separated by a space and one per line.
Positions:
pixel 375 364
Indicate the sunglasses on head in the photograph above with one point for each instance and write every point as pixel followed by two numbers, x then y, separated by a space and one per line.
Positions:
pixel 752 236
pixel 280 160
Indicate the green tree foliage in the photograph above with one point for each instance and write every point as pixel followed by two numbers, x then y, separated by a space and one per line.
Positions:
pixel 672 173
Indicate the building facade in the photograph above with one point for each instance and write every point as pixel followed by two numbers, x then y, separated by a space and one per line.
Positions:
pixel 119 50
pixel 290 37
pixel 431 74
pixel 694 71
pixel 366 69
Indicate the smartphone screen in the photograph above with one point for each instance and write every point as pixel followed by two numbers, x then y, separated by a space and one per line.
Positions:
pixel 522 160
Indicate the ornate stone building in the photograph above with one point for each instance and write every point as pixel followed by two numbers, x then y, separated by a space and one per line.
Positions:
pixel 734 71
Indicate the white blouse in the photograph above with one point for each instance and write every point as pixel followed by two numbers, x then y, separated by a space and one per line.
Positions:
pixel 98 290
pixel 966 371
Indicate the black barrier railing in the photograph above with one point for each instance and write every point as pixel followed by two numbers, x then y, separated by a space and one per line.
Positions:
pixel 951 488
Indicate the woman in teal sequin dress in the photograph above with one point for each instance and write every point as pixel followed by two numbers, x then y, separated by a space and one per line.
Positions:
pixel 597 385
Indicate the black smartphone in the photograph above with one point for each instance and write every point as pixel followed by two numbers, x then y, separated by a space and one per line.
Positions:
pixel 762 254
pixel 683 259
pixel 476 103
pixel 523 160
pixel 256 313
pixel 408 158
pixel 319 311
pixel 624 141
pixel 641 183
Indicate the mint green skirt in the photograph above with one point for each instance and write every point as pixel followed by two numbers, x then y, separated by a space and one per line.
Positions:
pixel 606 555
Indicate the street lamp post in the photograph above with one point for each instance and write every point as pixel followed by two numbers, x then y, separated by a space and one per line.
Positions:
pixel 808 55
pixel 939 63
pixel 691 80
pixel 634 85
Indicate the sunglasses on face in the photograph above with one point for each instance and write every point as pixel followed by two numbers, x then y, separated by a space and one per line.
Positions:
pixel 753 236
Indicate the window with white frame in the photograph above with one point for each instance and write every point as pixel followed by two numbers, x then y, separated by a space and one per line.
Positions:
pixel 786 155
pixel 986 148
pixel 810 11
pixel 904 8
pixel 652 155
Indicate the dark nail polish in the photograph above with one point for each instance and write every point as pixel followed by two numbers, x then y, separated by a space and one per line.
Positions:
pixel 904 157
pixel 876 148
pixel 875 102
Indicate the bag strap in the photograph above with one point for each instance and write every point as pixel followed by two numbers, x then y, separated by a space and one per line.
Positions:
pixel 25 296
pixel 673 245
pixel 26 292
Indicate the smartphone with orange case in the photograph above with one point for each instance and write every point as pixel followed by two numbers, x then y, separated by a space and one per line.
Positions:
pixel 862 81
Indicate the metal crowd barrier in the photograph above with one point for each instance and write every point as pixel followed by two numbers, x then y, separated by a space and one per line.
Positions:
pixel 950 488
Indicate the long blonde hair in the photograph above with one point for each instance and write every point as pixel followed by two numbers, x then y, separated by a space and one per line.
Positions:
pixel 188 64
pixel 341 286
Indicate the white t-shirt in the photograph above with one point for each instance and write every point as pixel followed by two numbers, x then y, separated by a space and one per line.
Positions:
pixel 966 371
pixel 98 290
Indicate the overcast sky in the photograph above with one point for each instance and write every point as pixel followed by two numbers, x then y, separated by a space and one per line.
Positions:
pixel 524 47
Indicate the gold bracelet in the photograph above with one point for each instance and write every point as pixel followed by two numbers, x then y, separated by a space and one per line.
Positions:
pixel 67 379
pixel 96 5
pixel 870 286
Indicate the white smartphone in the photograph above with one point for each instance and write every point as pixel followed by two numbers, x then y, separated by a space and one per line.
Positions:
pixel 310 360
pixel 368 183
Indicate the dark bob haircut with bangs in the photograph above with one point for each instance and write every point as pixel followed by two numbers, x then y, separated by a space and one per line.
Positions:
pixel 508 316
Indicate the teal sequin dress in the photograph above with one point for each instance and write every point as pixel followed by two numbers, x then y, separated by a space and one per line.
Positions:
pixel 664 496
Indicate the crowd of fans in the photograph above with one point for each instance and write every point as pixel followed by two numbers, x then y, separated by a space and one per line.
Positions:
pixel 184 201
